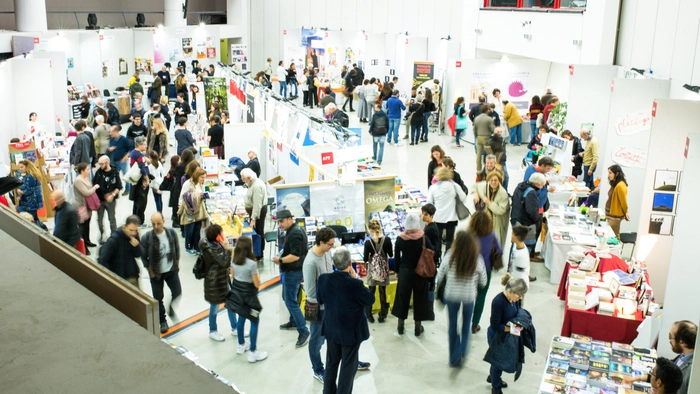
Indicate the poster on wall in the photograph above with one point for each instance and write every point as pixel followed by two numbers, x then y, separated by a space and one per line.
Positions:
pixel 312 40
pixel 272 153
pixel 71 62
pixel 160 50
pixel 201 49
pixel 239 57
pixel 174 52
pixel 296 199
pixel 664 202
pixel 215 90
pixel 250 109
pixel 211 47
pixel 123 66
pixel 379 196
pixel 105 68
pixel 296 55
pixel 187 47
pixel 340 205
pixel 299 134
pixel 512 83
pixel 423 73
pixel 143 65
pixel 666 180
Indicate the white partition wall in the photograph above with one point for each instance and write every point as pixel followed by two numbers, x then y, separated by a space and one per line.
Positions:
pixel 58 88
pixel 626 139
pixel 682 299
pixel 35 75
pixel 669 131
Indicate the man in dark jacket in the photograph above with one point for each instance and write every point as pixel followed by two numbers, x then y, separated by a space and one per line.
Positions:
pixel 253 162
pixel 526 209
pixel 160 253
pixel 378 128
pixel 80 150
pixel 164 76
pixel 344 325
pixel 359 77
pixel 156 89
pixel 66 226
pixel 110 184
pixel 476 110
pixel 120 251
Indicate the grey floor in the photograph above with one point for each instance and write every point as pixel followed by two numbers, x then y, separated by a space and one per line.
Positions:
pixel 399 363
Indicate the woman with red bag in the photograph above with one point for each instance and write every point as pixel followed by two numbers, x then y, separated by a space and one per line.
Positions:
pixel 83 188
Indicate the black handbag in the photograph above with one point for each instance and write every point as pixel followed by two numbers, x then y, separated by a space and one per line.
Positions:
pixel 495 257
pixel 440 289
pixel 312 311
pixel 167 183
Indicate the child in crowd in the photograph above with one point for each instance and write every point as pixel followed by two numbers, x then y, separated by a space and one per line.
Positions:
pixel 519 264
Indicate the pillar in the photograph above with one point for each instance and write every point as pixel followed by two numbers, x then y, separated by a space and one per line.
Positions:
pixel 173 13
pixel 30 15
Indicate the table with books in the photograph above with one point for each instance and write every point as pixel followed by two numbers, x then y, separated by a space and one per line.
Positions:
pixel 568 230
pixel 609 306
pixel 583 365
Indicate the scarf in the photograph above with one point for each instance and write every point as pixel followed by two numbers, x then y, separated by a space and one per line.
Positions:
pixel 411 235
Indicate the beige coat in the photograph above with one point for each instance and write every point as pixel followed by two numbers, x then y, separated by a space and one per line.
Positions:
pixel 201 210
pixel 500 210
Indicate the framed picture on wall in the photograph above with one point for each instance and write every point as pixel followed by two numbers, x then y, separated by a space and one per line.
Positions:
pixel 666 180
pixel 123 66
pixel 661 224
pixel 392 72
pixel 388 62
pixel 664 202
pixel 375 62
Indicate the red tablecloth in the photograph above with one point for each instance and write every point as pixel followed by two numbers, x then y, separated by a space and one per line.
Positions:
pixel 605 265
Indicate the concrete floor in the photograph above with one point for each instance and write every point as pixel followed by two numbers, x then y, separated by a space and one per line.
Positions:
pixel 399 363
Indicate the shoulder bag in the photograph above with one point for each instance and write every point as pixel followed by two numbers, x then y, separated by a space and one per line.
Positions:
pixel 481 205
pixel 133 175
pixel 92 202
pixel 462 210
pixel 426 263
pixel 495 257
pixel 312 311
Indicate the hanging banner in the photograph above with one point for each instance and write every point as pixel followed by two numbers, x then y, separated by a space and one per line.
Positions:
pixel 272 153
pixel 379 196
pixel 215 90
pixel 634 123
pixel 422 72
pixel 629 157
pixel 250 109
pixel 339 205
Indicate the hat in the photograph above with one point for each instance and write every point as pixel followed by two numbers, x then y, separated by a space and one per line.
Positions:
pixel 283 214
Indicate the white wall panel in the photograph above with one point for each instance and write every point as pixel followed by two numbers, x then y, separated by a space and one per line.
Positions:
pixel 394 16
pixel 350 12
pixel 380 16
pixel 686 39
pixel 410 17
pixel 272 39
pixel 364 17
pixel 334 16
pixel 695 76
pixel 625 37
pixel 441 18
pixel 302 14
pixel 288 15
pixel 318 14
pixel 664 37
pixel 644 29
pixel 426 19
pixel 257 34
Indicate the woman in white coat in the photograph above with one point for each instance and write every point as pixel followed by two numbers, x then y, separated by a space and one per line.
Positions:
pixel 494 196
pixel 443 195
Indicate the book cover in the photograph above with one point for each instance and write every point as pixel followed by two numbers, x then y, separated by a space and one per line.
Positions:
pixel 581 338
pixel 582 346
pixel 600 365
pixel 575 352
pixel 598 378
pixel 555 379
pixel 558 364
pixel 598 355
pixel 563 342
pixel 560 355
pixel 622 346
pixel 598 349
pixel 621 360
pixel 556 371
pixel 624 354
pixel 577 371
pixel 623 369
pixel 601 343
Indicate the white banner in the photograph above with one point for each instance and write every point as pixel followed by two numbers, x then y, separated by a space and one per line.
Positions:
pixel 341 205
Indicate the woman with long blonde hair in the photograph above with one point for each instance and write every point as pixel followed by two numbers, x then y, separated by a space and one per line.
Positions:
pixel 31 198
pixel 158 139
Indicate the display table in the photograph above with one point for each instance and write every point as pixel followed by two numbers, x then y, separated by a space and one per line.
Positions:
pixel 603 327
pixel 605 265
pixel 565 189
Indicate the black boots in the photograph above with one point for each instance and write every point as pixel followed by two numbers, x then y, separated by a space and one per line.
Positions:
pixel 383 313
pixel 418 329
pixel 368 311
pixel 399 329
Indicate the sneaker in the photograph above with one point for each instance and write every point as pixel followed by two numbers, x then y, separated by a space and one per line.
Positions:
pixel 191 251
pixel 216 336
pixel 256 355
pixel 362 366
pixel 242 348
pixel 125 193
pixel 303 339
pixel 288 326
pixel 319 376
pixel 164 327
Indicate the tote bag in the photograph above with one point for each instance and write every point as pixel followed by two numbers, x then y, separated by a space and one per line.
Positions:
pixel 460 208
pixel 426 264
pixel 133 175
pixel 92 202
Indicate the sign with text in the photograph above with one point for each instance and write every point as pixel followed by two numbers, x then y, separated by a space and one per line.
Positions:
pixel 327 158
pixel 629 157
pixel 379 196
pixel 634 123
pixel 422 72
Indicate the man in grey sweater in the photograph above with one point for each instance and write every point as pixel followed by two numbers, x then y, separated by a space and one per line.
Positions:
pixel 483 128
pixel 255 203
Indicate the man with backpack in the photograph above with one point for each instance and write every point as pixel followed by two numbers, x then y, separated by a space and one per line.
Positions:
pixel 333 114
pixel 378 127
pixel 526 211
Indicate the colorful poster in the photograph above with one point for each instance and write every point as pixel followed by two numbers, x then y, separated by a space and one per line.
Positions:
pixel 340 205
pixel 105 68
pixel 379 196
pixel 174 52
pixel 239 57
pixel 296 199
pixel 143 65
pixel 215 90
pixel 250 109
pixel 299 134
pixel 423 72
pixel 201 50
pixel 313 42
pixel 514 85
pixel 187 47
pixel 211 52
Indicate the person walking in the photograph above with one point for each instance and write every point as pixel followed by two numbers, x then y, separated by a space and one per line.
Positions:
pixel 83 188
pixel 291 263
pixel 464 275
pixel 378 128
pixel 436 157
pixel 110 183
pixel 461 120
pixel 481 227
pixel 160 255
pixel 282 79
pixel 216 254
pixel 409 246
pixel 377 251
pixel 515 122
pixel 536 108
pixel 443 195
pixel 255 204
pixel 394 107
pixel 31 197
pixel 157 140
pixel 245 285
pixel 177 171
pixel 118 152
pixel 120 251
pixel 183 136
pixel 102 136
pixel 313 84
pixel 157 171
pixel 496 201
pixel 371 91
pixel 349 89
pixel 483 129
pixel 318 261
pixel 215 137
pixel 192 210
pixel 525 210
pixel 616 207
pixel 363 110
pixel 344 325
pixel 66 226
pixel 416 114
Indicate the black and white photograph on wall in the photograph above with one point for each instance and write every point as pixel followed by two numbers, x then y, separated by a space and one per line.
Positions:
pixel 664 202
pixel 388 62
pixel 661 224
pixel 187 47
pixel 666 180
pixel 375 62
pixel 392 72
pixel 123 66
pixel 105 68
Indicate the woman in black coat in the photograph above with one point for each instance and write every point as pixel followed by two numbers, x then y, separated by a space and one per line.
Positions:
pixel 177 171
pixel 577 168
pixel 436 156
pixel 349 88
pixel 409 246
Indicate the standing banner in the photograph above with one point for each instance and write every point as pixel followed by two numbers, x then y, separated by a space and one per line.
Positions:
pixel 250 108
pixel 339 205
pixel 215 89
pixel 379 196
pixel 422 72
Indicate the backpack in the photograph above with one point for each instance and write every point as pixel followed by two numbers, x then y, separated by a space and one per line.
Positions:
pixel 380 125
pixel 342 118
pixel 199 270
pixel 378 269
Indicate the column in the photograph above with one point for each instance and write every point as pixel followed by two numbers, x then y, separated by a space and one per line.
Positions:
pixel 30 15
pixel 173 13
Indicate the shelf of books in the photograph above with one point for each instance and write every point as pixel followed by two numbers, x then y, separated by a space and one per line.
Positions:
pixel 583 365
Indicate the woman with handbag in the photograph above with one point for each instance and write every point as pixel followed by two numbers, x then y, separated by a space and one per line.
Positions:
pixel 444 195
pixel 378 249
pixel 31 198
pixel 407 254
pixel 462 276
pixel 177 171
pixel 362 110
pixel 489 194
pixel 481 227
pixel 82 190
pixel 192 210
pixel 216 255
pixel 349 89
pixel 246 281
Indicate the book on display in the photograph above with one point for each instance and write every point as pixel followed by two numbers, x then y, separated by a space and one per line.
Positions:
pixel 563 342
pixel 581 338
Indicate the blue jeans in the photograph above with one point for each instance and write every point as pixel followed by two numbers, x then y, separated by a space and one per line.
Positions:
pixel 213 311
pixel 458 135
pixel 192 235
pixel 240 328
pixel 495 372
pixel 506 177
pixel 516 134
pixel 394 130
pixel 588 179
pixel 296 88
pixel 159 201
pixel 315 343
pixel 415 133
pixel 121 166
pixel 378 143
pixel 533 128
pixel 426 117
pixel 290 288
pixel 458 340
pixel 283 88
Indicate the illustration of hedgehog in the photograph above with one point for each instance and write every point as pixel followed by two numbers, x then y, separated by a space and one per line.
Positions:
pixel 516 89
